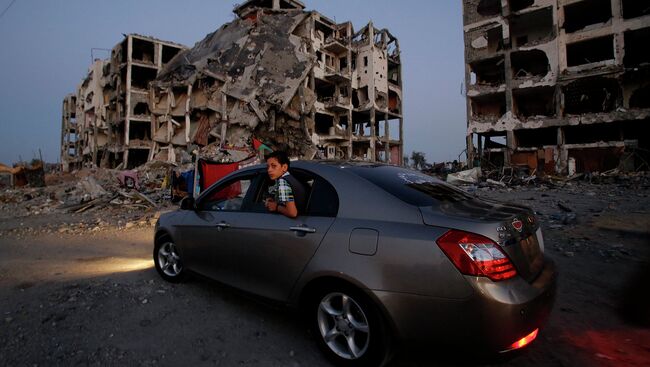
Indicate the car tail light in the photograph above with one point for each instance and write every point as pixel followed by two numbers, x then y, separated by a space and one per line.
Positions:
pixel 474 254
pixel 523 341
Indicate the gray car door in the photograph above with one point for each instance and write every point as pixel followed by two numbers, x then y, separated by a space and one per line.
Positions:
pixel 203 228
pixel 265 253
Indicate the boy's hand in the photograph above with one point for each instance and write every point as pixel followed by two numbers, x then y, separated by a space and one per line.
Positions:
pixel 271 205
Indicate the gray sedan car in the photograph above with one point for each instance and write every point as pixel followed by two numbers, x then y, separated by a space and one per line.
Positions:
pixel 380 255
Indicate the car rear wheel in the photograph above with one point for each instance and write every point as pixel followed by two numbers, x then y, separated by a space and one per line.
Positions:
pixel 349 329
pixel 168 261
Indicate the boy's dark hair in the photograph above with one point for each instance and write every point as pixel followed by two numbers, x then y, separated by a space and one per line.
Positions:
pixel 281 156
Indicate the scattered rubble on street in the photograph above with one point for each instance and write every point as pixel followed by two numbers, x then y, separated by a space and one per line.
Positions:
pixel 76 279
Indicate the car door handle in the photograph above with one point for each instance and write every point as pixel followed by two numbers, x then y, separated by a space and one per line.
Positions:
pixel 303 229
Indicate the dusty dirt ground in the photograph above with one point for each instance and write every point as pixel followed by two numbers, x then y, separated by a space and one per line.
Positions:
pixel 80 289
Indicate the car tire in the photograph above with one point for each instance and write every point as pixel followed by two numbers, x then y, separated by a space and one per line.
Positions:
pixel 168 261
pixel 349 328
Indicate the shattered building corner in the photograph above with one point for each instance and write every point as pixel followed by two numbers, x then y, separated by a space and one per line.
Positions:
pixel 291 78
pixel 556 81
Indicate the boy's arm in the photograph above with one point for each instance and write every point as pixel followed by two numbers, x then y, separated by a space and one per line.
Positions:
pixel 286 202
pixel 288 209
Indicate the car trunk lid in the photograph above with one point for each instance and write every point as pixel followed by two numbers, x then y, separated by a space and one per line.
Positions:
pixel 515 228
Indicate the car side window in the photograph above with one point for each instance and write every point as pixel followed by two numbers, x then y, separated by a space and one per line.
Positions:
pixel 323 201
pixel 230 196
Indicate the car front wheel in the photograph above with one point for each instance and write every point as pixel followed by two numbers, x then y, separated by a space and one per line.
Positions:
pixel 168 261
pixel 350 330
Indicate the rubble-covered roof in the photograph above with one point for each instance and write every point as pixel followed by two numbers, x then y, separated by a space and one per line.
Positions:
pixel 256 58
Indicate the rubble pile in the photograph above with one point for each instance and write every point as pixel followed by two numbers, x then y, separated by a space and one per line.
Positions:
pixel 245 79
pixel 95 198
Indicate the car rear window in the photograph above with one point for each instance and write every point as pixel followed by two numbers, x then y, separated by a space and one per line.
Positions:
pixel 410 186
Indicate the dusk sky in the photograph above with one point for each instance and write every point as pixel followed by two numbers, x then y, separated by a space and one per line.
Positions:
pixel 46 51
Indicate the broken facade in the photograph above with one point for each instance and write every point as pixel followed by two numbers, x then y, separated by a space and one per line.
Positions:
pixel 293 79
pixel 560 81
pixel 107 122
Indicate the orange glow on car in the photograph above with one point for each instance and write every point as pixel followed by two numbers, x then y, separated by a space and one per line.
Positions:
pixel 524 341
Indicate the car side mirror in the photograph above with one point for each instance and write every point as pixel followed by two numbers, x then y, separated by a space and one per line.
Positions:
pixel 188 203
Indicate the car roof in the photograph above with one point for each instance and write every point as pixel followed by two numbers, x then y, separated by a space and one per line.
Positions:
pixel 357 196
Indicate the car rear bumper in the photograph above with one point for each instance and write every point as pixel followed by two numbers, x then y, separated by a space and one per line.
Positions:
pixel 494 317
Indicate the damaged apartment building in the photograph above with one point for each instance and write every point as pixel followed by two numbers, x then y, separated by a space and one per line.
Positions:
pixel 107 122
pixel 293 79
pixel 553 82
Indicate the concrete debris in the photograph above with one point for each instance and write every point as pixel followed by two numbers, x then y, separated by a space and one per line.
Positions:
pixel 293 79
pixel 23 174
pixel 95 197
pixel 90 188
pixel 465 177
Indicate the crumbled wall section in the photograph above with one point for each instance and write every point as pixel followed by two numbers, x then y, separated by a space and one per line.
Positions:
pixel 293 79
pixel 553 79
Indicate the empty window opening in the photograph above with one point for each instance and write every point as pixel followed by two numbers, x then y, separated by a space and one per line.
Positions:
pixel 143 51
pixel 360 97
pixel 531 102
pixel 590 51
pixel 495 141
pixel 343 64
pixel 141 108
pixel 381 100
pixel 393 74
pixel 594 133
pixel 137 157
pixel 324 91
pixel 141 76
pixel 585 13
pixel 491 106
pixel 324 123
pixel 329 62
pixel 168 53
pixel 343 92
pixel 139 130
pixel 517 5
pixel 529 63
pixel 490 72
pixel 288 5
pixel 326 30
pixel 495 39
pixel 591 95
pixel 536 138
pixel 488 8
pixel 635 8
pixel 596 159
pixel 639 130
pixel 641 98
pixel 393 127
pixel 365 61
pixel 343 124
pixel 114 159
pixel 394 103
pixel 636 47
pixel 532 28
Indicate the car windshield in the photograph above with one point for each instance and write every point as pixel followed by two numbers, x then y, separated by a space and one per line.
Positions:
pixel 409 186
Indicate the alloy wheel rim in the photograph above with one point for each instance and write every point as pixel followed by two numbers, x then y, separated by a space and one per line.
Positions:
pixel 343 326
pixel 168 260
